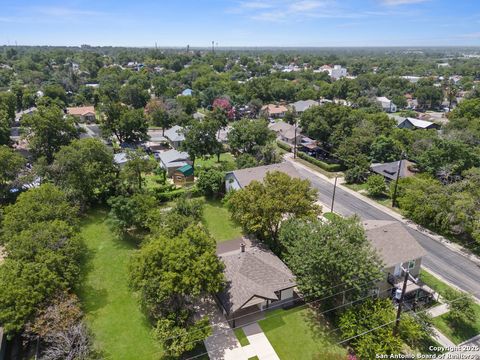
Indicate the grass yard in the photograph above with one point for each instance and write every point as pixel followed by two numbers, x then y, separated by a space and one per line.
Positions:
pixel 330 216
pixel 120 329
pixel 458 333
pixel 436 284
pixel 227 161
pixel 217 220
pixel 241 337
pixel 297 334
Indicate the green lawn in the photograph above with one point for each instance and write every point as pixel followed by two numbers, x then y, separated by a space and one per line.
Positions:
pixel 458 333
pixel 217 220
pixel 241 337
pixel 227 161
pixel 436 284
pixel 330 215
pixel 120 329
pixel 297 334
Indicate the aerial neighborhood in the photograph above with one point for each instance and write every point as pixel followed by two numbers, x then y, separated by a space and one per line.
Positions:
pixel 224 203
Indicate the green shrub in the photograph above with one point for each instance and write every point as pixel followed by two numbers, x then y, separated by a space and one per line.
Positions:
pixel 321 164
pixel 284 146
pixel 376 185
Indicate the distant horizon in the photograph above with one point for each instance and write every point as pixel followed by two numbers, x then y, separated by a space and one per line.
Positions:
pixel 242 23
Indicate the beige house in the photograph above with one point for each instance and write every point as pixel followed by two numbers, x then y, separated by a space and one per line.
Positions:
pixel 398 250
pixel 83 113
pixel 256 279
pixel 286 132
pixel 274 110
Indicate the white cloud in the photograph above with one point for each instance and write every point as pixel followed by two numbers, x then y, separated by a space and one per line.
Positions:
pixel 401 2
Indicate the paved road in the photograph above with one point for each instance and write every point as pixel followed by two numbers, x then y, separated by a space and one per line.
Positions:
pixel 453 267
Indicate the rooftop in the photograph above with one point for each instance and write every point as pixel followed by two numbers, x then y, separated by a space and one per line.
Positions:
pixel 392 241
pixel 246 176
pixel 256 272
pixel 175 133
pixel 81 110
pixel 389 170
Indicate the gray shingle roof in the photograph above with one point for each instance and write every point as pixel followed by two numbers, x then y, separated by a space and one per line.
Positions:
pixel 389 170
pixel 173 158
pixel 246 176
pixel 255 272
pixel 302 105
pixel 175 133
pixel 393 242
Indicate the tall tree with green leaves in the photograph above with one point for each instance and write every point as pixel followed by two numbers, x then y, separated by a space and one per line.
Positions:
pixel 11 163
pixel 84 170
pixel 261 207
pixel 323 255
pixel 127 125
pixel 47 130
pixel 247 135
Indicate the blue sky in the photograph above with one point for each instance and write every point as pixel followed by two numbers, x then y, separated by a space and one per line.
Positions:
pixel 241 23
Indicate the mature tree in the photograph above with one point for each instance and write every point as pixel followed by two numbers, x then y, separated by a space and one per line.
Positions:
pixel 131 212
pixel 134 95
pixel 127 125
pixel 367 316
pixel 323 255
pixel 467 109
pixel 42 204
pixel 244 161
pixel 47 130
pixel 201 140
pixel 385 149
pixel 55 92
pixel 8 103
pixel 261 207
pixel 4 128
pixel 246 135
pixel 51 242
pixel 24 286
pixel 159 114
pixel 448 158
pixel 84 170
pixel 462 308
pixel 376 185
pixel 171 274
pixel 188 104
pixel 138 163
pixel 211 182
pixel 428 96
pixel 11 163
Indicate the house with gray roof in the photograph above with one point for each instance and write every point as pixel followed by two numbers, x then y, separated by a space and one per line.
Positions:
pixel 414 124
pixel 398 250
pixel 256 279
pixel 172 160
pixel 389 170
pixel 175 136
pixel 302 105
pixel 286 132
pixel 238 179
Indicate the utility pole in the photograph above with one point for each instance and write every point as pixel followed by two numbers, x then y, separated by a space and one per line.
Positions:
pixel 333 197
pixel 400 301
pixel 394 196
pixel 295 144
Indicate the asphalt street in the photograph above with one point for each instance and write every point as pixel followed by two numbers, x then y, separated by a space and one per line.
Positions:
pixel 452 266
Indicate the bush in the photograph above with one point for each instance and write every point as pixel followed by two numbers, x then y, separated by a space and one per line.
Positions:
pixel 284 146
pixel 376 185
pixel 356 174
pixel 321 164
pixel 211 182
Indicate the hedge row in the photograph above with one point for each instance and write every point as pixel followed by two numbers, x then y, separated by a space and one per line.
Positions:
pixel 167 196
pixel 284 146
pixel 321 164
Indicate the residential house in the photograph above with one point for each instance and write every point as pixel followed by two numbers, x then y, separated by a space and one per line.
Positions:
pixel 172 160
pixel 387 104
pixel 256 279
pixel 412 123
pixel 82 113
pixel 175 136
pixel 183 175
pixel 389 170
pixel 286 132
pixel 397 249
pixel 238 179
pixel 274 110
pixel 156 140
pixel 302 105
pixel 336 72
pixel 412 79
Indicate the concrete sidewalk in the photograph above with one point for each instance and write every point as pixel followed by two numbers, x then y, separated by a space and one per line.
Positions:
pixel 438 310
pixel 259 344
